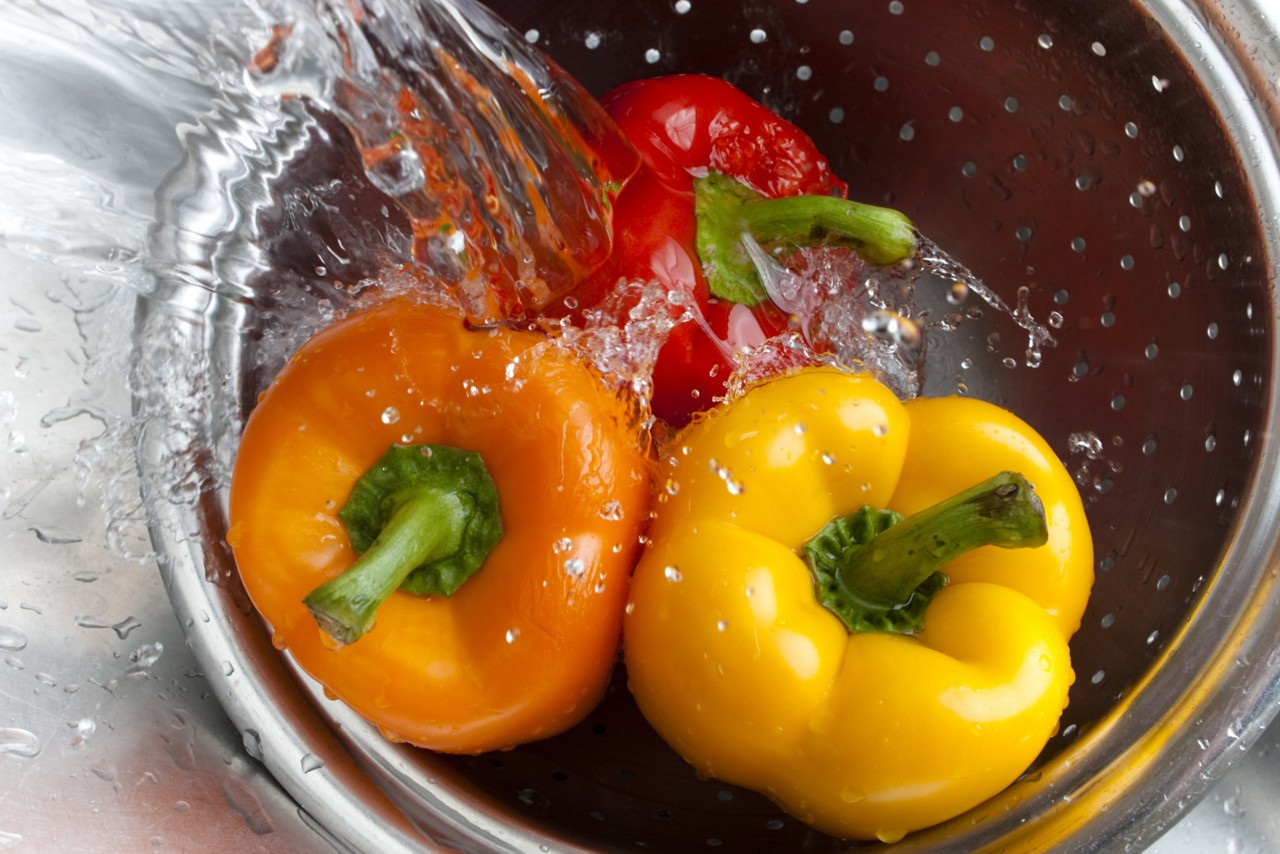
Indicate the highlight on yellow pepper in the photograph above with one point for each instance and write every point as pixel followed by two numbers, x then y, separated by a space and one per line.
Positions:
pixel 439 524
pixel 859 607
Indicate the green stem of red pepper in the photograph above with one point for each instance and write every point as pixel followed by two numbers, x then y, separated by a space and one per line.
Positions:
pixel 877 570
pixel 423 519
pixel 727 209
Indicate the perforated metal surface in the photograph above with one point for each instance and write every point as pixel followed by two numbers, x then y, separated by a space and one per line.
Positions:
pixel 1069 151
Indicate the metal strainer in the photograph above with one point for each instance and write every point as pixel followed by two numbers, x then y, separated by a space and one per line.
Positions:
pixel 1109 168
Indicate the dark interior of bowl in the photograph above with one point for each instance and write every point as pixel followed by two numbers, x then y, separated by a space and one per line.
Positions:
pixel 1064 148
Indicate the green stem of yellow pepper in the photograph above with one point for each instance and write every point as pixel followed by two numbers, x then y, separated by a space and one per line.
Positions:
pixel 423 519
pixel 877 571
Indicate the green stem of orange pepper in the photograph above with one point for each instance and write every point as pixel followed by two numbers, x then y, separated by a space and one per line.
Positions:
pixel 423 518
pixel 877 571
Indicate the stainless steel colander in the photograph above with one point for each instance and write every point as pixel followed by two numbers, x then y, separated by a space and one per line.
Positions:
pixel 1109 168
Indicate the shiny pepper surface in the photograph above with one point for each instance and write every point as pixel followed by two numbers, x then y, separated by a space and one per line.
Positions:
pixel 524 648
pixel 741 669
pixel 676 223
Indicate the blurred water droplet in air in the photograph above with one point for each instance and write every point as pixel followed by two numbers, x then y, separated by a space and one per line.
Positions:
pixel 84 728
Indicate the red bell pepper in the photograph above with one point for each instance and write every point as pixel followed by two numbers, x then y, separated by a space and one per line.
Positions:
pixel 676 215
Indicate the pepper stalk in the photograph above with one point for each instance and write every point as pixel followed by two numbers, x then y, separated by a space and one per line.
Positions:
pixel 726 209
pixel 877 571
pixel 422 519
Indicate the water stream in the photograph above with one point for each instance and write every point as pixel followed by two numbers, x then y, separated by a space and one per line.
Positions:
pixel 257 163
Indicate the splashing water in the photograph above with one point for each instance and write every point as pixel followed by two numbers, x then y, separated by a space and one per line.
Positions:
pixel 221 180
pixel 249 167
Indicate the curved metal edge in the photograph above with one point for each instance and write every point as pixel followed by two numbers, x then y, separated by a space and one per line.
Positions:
pixel 235 654
pixel 361 789
pixel 1229 645
pixel 1216 687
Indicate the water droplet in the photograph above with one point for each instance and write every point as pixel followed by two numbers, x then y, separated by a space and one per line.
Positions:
pixel 19 742
pixel 891 327
pixel 562 545
pixel 252 743
pixel 310 762
pixel 575 567
pixel 11 639
pixel 390 415
pixel 852 795
pixel 1086 443
pixel 84 728
pixel 513 634
pixel 722 625
pixel 104 771
pixel 247 805
pixel 122 628
pixel 672 573
pixel 612 510
pixel 145 656
pixel 54 535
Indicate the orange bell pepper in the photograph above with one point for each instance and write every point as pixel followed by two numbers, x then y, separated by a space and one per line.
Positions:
pixel 524 647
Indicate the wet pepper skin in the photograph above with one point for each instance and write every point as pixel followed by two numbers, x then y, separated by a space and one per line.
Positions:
pixel 524 649
pixel 737 665
pixel 683 125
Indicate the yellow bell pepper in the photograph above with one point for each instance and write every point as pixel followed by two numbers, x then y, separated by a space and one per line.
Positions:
pixel 952 670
